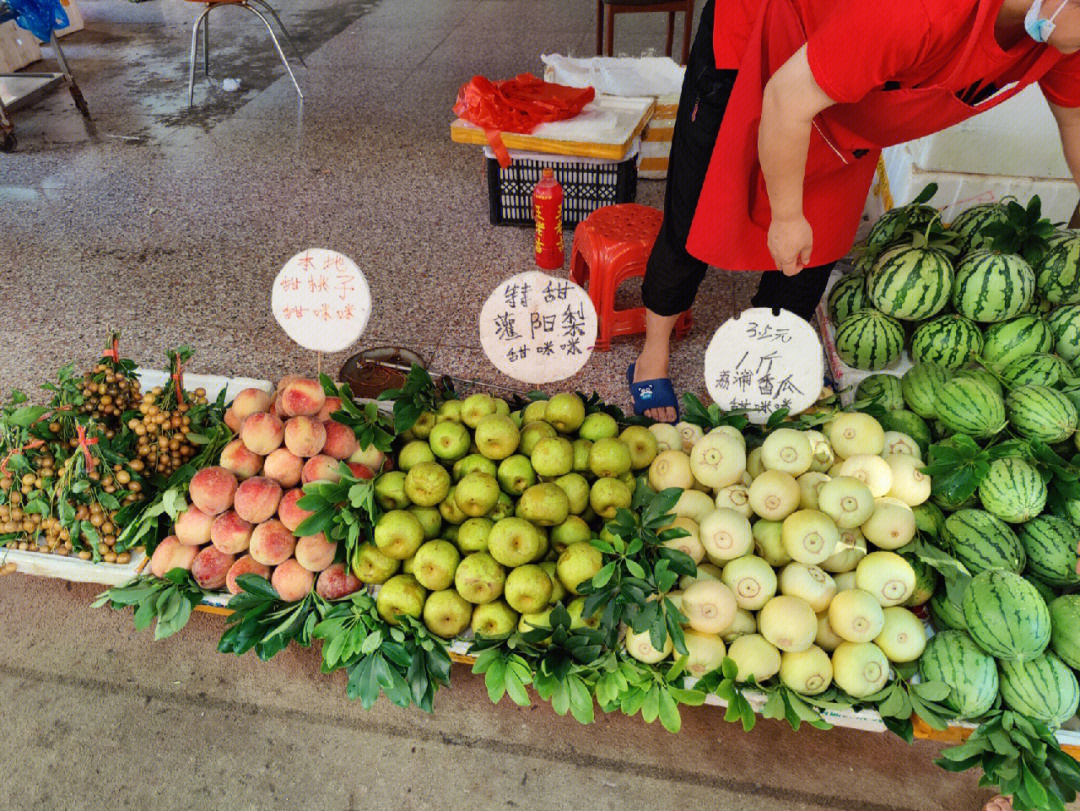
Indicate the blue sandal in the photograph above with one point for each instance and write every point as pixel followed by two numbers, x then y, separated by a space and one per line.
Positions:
pixel 650 394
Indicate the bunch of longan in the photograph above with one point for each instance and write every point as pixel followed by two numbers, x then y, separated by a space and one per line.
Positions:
pixel 162 442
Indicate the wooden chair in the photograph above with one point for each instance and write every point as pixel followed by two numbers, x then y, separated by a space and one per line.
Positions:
pixel 606 46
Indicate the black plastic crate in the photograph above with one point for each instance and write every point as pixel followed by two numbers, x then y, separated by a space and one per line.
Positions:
pixel 586 187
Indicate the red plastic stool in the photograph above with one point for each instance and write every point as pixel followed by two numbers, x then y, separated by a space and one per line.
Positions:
pixel 612 245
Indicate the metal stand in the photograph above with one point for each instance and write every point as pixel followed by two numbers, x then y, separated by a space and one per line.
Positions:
pixel 204 22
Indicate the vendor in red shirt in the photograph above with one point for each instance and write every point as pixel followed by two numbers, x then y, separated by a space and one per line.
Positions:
pixel 785 108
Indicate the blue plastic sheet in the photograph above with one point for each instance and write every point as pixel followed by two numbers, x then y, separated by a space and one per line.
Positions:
pixel 39 17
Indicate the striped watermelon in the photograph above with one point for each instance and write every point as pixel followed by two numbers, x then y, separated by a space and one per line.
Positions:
pixel 953 658
pixel 1040 306
pixel 1047 593
pixel 885 388
pixel 926 578
pixel 982 541
pixel 969 406
pixel 1050 543
pixel 910 283
pixel 1039 412
pixel 1072 392
pixel 1043 688
pixel 949 341
pixel 1071 506
pixel 1039 369
pixel 1065 629
pixel 992 286
pixel 869 340
pixel 929 519
pixel 1006 616
pixel 1013 490
pixel 971 221
pixel 920 386
pixel 847 296
pixel 984 375
pixel 1057 277
pixel 907 422
pixel 1061 235
pixel 945 613
pixel 1006 341
pixel 896 223
pixel 1064 322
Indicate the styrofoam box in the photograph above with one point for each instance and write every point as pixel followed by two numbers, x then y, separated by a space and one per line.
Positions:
pixel 18 48
pixel 75 18
pixel 112 574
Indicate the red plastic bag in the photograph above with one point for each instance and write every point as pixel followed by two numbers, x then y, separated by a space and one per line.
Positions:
pixel 517 105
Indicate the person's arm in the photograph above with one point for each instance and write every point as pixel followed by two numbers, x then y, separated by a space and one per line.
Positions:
pixel 1068 121
pixel 792 99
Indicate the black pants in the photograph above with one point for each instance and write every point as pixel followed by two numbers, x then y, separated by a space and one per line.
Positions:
pixel 672 276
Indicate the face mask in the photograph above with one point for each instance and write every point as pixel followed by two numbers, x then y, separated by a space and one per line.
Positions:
pixel 1039 29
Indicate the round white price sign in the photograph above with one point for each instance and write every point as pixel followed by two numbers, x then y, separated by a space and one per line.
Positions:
pixel 538 328
pixel 321 300
pixel 760 362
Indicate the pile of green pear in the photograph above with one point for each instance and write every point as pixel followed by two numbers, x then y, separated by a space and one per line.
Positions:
pixel 488 514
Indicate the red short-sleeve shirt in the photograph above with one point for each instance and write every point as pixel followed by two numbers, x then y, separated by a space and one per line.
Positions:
pixel 854 46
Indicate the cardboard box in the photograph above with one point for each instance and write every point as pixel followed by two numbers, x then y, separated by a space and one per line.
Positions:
pixel 18 48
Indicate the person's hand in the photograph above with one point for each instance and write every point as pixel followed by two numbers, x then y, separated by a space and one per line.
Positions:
pixel 790 243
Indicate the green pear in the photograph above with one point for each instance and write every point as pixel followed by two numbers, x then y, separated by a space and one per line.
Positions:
pixel 544 505
pixel 449 440
pixel 407 565
pixel 598 425
pixel 429 519
pixel 516 474
pixel 572 530
pixel 449 411
pixel 565 412
pixel 534 411
pixel 475 407
pixel 578 563
pixel 528 589
pixel 447 613
pixel 434 565
pixel 545 544
pixel 474 461
pixel 553 456
pixel 372 566
pixel 398 534
pixel 493 620
pixel 473 535
pixel 577 490
pixel 400 596
pixel 534 622
pixel 427 484
pixel 609 458
pixel 479 578
pixel 504 508
pixel 413 453
pixel 513 542
pixel 558 590
pixel 581 455
pixel 608 495
pixel 390 491
pixel 424 423
pixel 642 444
pixel 449 510
pixel 575 609
pixel 532 433
pixel 476 494
pixel 630 480
pixel 502 408
pixel 497 437
pixel 449 532
pixel 516 417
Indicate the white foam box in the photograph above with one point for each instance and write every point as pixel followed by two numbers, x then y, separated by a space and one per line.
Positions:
pixel 75 18
pixel 18 48
pixel 656 138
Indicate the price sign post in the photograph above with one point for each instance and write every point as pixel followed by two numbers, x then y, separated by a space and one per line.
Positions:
pixel 321 300
pixel 538 328
pixel 760 362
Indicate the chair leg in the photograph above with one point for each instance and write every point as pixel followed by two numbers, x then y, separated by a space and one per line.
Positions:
pixel 263 4
pixel 206 45
pixel 277 45
pixel 194 54
pixel 69 78
pixel 670 32
pixel 609 35
pixel 599 27
pixel 688 27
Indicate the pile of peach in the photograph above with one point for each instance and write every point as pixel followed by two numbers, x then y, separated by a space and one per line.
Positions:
pixel 243 513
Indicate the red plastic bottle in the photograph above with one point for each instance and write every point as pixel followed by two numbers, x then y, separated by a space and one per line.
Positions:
pixel 547 212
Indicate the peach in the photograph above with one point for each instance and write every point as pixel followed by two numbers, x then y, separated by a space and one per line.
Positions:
pixel 336 582
pixel 232 420
pixel 285 381
pixel 340 440
pixel 292 581
pixel 231 533
pixel 212 490
pixel 301 398
pixel 314 552
pixel 329 406
pixel 271 543
pixel 245 565
pixel 262 433
pixel 238 460
pixel 370 457
pixel 250 401
pixel 171 554
pixel 284 467
pixel 274 409
pixel 320 468
pixel 360 471
pixel 257 499
pixel 304 436
pixel 193 527
pixel 211 567
pixel 291 515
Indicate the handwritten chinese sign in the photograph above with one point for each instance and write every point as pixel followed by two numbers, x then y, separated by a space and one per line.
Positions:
pixel 538 328
pixel 321 300
pixel 763 362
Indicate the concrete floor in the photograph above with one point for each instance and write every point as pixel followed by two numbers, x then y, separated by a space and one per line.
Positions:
pixel 170 224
